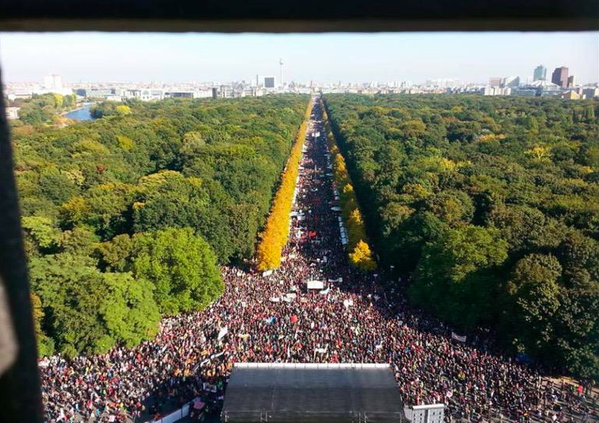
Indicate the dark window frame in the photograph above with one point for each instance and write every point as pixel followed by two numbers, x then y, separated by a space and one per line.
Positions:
pixel 20 394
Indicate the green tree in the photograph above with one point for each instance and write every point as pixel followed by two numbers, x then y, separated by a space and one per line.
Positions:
pixel 534 290
pixel 45 345
pixel 181 266
pixel 87 311
pixel 130 312
pixel 454 275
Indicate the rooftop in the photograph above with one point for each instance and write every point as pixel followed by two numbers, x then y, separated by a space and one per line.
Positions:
pixel 336 393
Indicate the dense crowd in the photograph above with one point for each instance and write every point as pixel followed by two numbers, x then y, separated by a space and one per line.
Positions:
pixel 273 317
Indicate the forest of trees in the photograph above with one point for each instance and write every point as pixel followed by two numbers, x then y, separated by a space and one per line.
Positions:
pixel 490 207
pixel 43 109
pixel 127 218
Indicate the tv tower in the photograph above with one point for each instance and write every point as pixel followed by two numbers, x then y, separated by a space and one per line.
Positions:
pixel 281 72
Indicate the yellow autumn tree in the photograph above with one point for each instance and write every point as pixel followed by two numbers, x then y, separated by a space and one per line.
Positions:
pixel 274 236
pixel 360 254
pixel 361 257
pixel 539 153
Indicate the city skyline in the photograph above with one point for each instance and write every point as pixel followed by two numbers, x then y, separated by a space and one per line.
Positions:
pixel 327 58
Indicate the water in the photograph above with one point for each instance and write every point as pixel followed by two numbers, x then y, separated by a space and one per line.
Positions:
pixel 80 114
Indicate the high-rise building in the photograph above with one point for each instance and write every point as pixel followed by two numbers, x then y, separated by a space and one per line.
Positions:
pixel 269 82
pixel 494 82
pixel 510 82
pixel 571 81
pixel 53 83
pixel 540 73
pixel 560 77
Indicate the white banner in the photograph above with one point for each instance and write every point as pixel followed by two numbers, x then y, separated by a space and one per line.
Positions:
pixel 315 285
pixel 222 333
pixel 458 337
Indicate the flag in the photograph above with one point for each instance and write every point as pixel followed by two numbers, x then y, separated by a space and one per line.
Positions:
pixel 222 333
pixel 458 337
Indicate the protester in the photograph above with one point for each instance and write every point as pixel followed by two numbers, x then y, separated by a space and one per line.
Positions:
pixel 272 317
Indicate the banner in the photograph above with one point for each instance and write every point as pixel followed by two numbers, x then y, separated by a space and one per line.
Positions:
pixel 222 333
pixel 458 337
pixel 315 285
pixel 209 387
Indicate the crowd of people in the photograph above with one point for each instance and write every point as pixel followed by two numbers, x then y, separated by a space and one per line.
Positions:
pixel 273 317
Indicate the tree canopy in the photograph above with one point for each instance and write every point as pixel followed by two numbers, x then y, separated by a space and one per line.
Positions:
pixel 128 217
pixel 492 205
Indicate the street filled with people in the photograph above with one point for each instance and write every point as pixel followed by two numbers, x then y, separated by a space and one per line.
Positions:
pixel 314 308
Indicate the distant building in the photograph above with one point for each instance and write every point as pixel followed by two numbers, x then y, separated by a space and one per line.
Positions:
pixel 510 82
pixel 591 92
pixel 494 82
pixel 497 91
pixel 525 92
pixel 12 113
pixel 571 81
pixel 540 73
pixel 543 88
pixel 21 94
pixel 269 82
pixel 153 95
pixel 571 95
pixel 560 77
pixel 53 83
pixel 177 94
pixel 102 93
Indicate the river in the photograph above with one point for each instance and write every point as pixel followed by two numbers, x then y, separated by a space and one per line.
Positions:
pixel 81 114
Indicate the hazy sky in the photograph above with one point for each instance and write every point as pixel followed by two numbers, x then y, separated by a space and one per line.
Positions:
pixel 472 57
